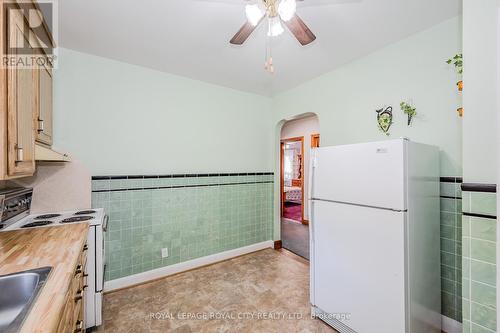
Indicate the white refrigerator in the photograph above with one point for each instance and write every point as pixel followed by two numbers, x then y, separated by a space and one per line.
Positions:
pixel 375 261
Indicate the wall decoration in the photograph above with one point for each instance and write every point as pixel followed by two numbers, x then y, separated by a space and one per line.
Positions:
pixel 409 110
pixel 457 61
pixel 384 119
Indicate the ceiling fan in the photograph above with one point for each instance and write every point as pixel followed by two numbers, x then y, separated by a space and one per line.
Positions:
pixel 277 12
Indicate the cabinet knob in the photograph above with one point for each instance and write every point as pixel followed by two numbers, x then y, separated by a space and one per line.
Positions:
pixel 85 248
pixel 78 269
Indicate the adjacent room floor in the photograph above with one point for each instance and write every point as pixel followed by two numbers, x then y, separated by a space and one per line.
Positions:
pixel 267 281
pixel 295 237
pixel 293 211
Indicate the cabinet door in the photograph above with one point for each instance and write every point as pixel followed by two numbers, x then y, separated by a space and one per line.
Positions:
pixel 22 91
pixel 44 114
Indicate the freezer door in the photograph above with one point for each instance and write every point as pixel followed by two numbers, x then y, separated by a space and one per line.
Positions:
pixel 371 174
pixel 358 266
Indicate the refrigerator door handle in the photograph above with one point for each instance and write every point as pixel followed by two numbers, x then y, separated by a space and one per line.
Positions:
pixel 312 254
pixel 361 205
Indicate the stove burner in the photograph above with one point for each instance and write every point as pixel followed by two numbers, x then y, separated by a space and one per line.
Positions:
pixel 47 216
pixel 85 212
pixel 77 219
pixel 36 224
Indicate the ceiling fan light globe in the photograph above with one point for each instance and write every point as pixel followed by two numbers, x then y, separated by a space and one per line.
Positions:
pixel 287 9
pixel 254 14
pixel 275 27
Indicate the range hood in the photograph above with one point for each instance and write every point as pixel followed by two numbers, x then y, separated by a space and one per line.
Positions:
pixel 48 155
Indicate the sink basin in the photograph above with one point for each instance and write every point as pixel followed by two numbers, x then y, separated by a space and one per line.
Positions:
pixel 18 293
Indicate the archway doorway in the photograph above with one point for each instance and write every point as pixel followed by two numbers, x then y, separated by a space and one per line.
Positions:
pixel 298 138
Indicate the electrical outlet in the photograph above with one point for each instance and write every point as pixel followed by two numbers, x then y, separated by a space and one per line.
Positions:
pixel 164 252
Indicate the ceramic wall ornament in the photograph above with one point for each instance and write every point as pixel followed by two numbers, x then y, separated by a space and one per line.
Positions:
pixel 409 110
pixel 384 119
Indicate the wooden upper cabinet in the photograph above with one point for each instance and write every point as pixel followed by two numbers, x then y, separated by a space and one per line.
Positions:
pixel 22 93
pixel 43 119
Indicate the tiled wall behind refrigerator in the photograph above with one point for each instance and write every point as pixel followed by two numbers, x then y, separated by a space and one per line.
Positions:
pixel 479 259
pixel 451 248
pixel 191 215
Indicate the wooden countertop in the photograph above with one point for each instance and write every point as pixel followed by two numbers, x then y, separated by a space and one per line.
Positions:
pixel 58 247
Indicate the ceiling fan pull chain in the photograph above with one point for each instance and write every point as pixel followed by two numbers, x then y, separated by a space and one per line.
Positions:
pixel 268 66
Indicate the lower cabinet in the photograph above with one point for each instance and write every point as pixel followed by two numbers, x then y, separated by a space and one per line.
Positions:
pixel 72 319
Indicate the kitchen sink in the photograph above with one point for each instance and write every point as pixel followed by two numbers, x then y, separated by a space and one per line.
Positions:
pixel 18 293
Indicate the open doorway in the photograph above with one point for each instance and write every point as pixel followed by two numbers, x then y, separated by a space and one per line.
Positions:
pixel 298 138
pixel 292 189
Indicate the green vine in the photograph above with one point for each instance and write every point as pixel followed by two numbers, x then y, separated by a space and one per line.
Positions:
pixel 457 61
pixel 409 110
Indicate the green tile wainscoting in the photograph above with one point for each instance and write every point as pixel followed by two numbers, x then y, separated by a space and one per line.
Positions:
pixel 191 215
pixel 451 247
pixel 198 215
pixel 479 258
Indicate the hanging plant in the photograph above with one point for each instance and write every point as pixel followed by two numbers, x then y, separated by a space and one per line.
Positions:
pixel 457 61
pixel 409 110
pixel 384 119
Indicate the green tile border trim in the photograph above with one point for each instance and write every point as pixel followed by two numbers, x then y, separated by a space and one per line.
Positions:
pixel 178 186
pixel 448 197
pixel 476 187
pixel 450 180
pixel 187 175
pixel 180 176
pixel 484 216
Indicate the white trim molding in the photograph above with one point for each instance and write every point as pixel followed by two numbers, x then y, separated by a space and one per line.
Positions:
pixel 154 274
pixel 449 325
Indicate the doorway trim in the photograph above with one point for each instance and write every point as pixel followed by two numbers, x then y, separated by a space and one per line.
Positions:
pixel 282 178
pixel 315 140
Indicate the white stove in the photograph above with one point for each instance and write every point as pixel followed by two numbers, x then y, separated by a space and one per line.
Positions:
pixel 94 217
pixel 15 205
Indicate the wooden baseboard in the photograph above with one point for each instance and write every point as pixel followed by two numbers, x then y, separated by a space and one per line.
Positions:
pixel 305 222
pixel 278 245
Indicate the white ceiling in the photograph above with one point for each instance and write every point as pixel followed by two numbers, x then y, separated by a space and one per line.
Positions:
pixel 191 37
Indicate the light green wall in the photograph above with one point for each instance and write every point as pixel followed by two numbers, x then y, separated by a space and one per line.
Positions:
pixel 412 69
pixel 480 235
pixel 123 119
pixel 480 91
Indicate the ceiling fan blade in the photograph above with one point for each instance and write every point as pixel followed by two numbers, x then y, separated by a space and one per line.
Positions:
pixel 300 30
pixel 244 32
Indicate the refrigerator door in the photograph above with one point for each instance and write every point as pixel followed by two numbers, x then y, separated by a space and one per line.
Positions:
pixel 371 174
pixel 358 266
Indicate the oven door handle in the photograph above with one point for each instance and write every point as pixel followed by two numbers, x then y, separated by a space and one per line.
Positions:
pixel 105 223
